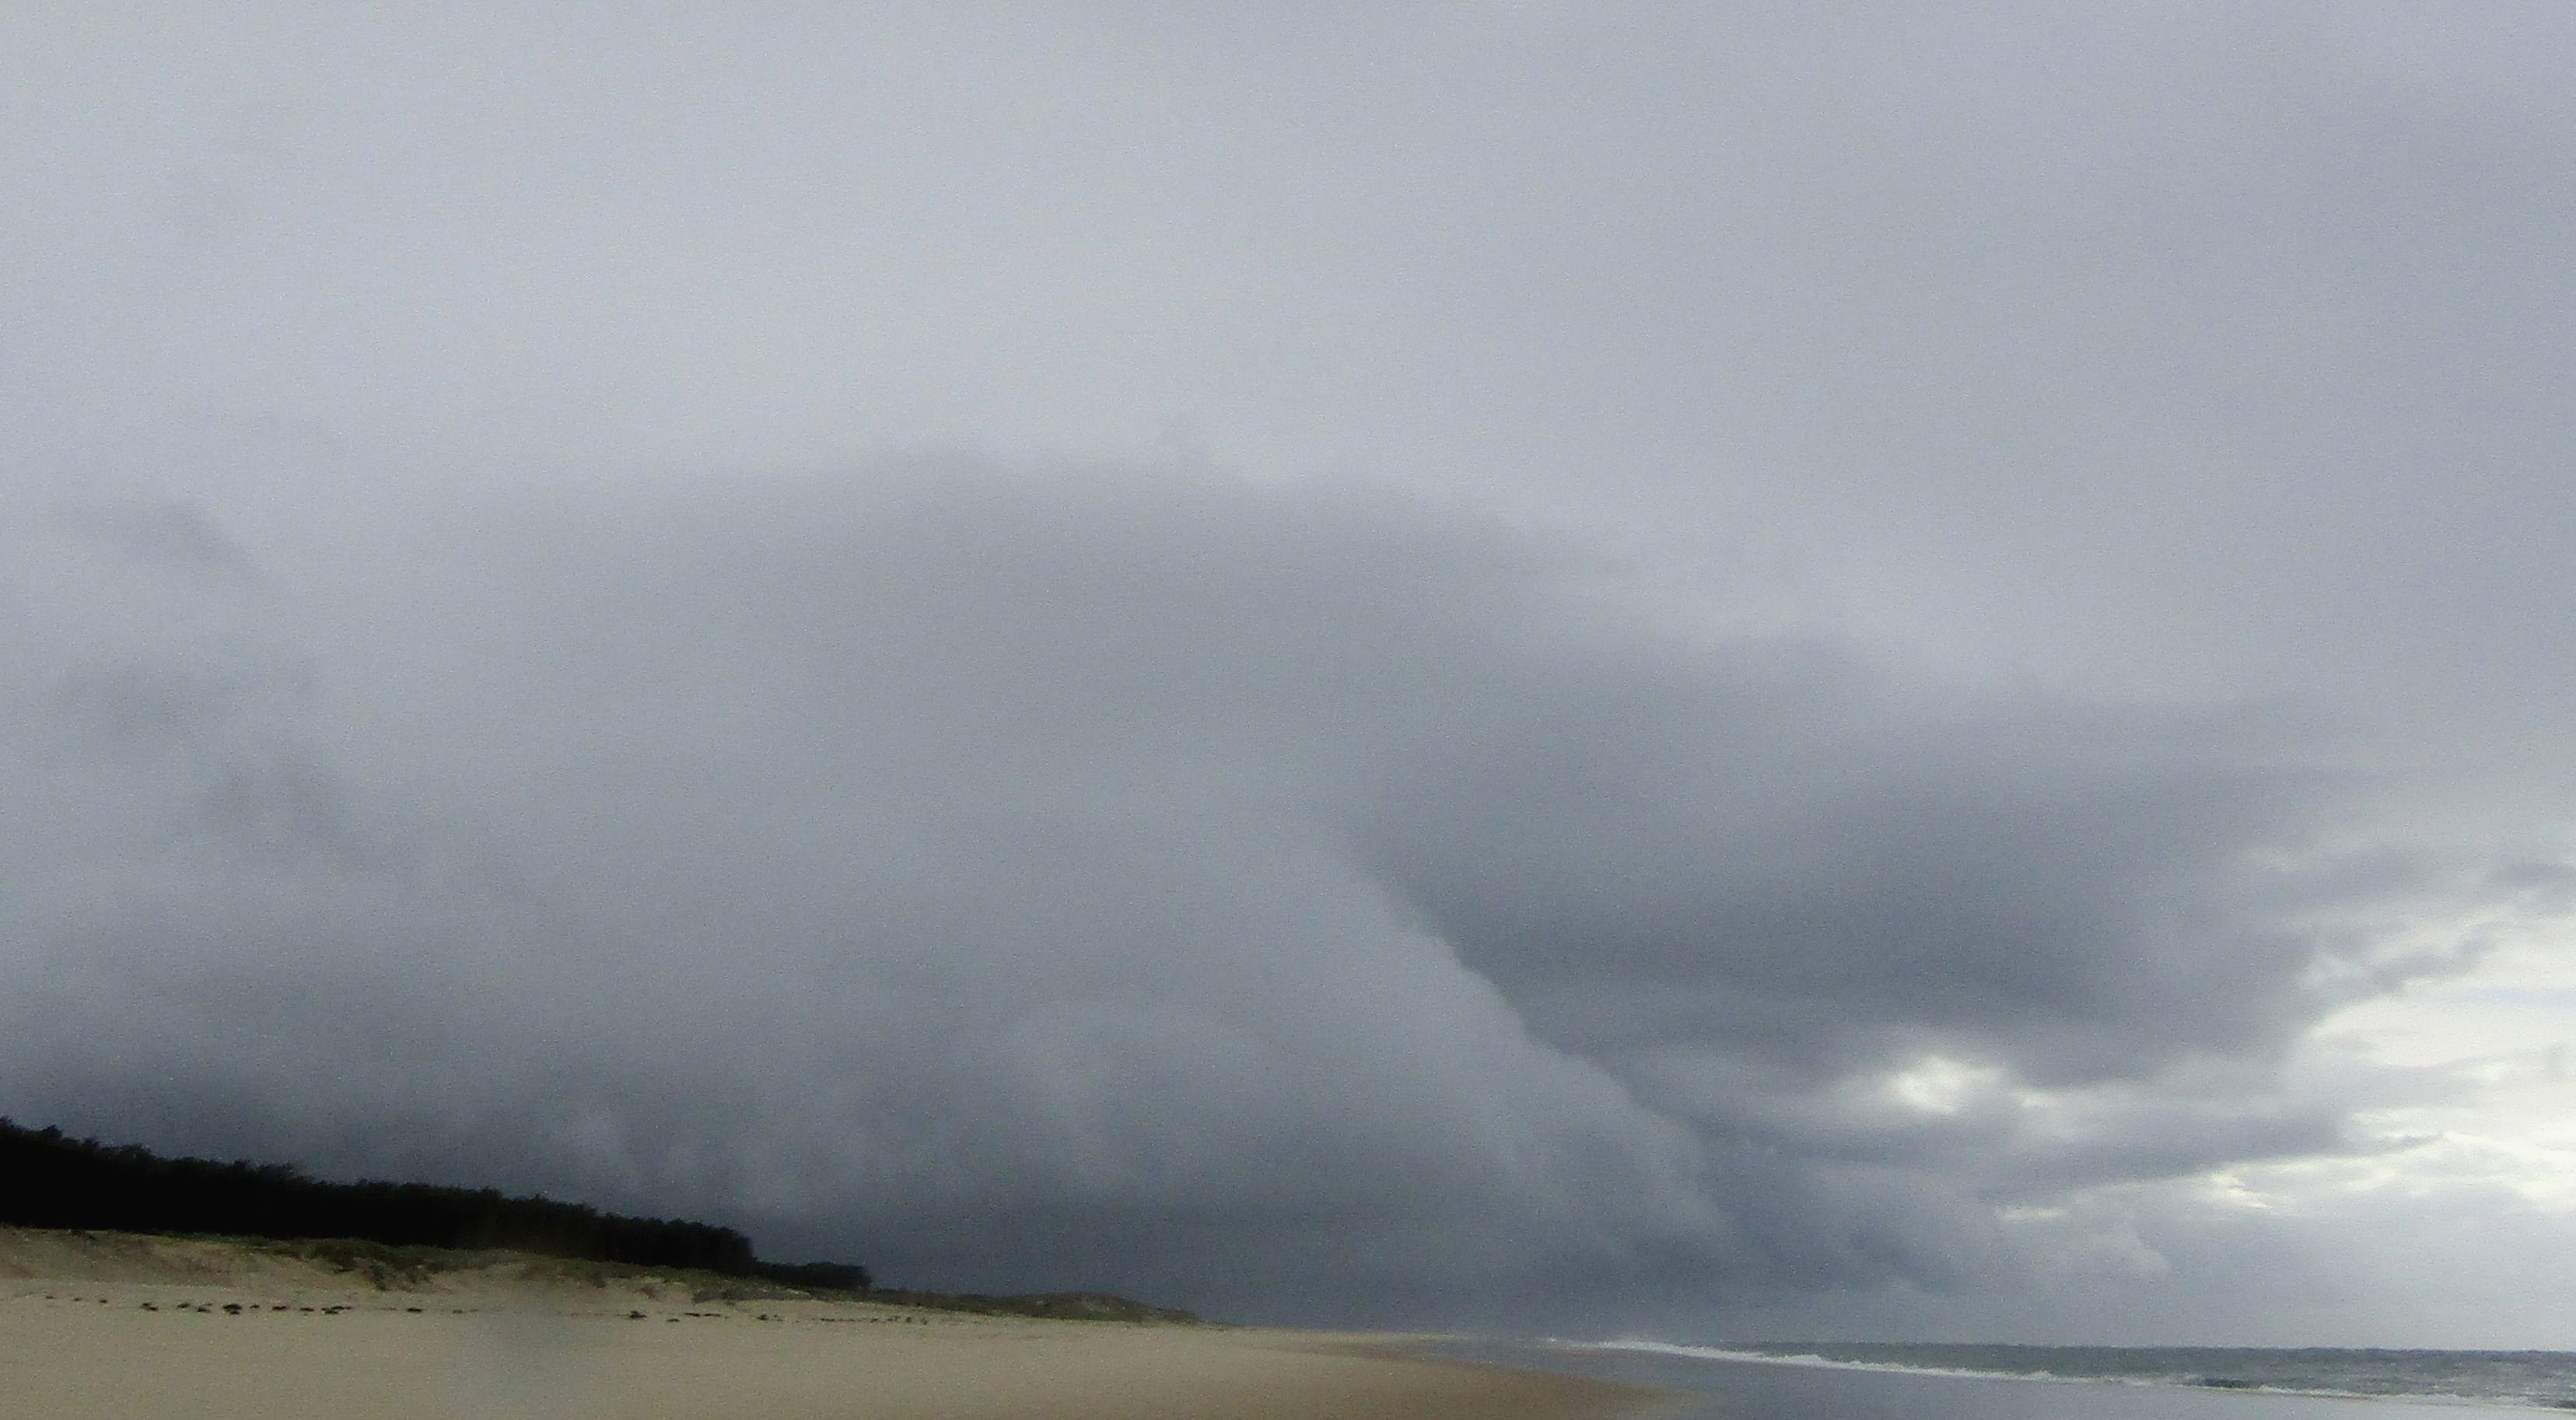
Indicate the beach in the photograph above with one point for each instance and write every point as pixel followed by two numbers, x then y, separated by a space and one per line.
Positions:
pixel 112 1325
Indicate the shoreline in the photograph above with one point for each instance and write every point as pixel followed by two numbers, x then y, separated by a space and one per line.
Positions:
pixel 122 1325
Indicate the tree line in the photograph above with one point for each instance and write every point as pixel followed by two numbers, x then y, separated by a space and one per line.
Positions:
pixel 50 1180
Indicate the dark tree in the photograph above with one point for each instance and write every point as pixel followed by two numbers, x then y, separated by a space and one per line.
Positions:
pixel 49 1180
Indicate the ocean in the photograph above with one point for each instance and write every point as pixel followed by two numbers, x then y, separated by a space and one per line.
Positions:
pixel 1865 1381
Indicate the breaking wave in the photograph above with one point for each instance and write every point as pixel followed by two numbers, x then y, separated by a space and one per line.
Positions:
pixel 2534 1379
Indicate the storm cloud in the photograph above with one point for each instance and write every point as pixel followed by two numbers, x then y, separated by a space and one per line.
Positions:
pixel 1638 672
pixel 1235 894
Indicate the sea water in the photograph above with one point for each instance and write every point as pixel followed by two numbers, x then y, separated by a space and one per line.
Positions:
pixel 1858 1381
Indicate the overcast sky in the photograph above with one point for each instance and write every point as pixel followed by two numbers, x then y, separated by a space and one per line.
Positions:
pixel 1693 671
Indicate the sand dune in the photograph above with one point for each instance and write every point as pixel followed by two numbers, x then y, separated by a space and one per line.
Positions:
pixel 110 1325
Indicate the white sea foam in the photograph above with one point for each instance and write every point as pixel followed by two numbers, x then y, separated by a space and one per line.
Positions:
pixel 2520 1379
pixel 1809 1358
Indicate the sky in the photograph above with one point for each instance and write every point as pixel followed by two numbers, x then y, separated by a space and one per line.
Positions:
pixel 1687 671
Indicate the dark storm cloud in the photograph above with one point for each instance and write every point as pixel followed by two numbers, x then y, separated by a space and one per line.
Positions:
pixel 1813 859
pixel 1268 899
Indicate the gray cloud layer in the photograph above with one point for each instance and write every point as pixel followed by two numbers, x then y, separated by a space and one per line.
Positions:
pixel 1276 900
pixel 1594 664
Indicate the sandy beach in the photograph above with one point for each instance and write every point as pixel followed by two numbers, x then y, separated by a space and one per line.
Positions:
pixel 110 1325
